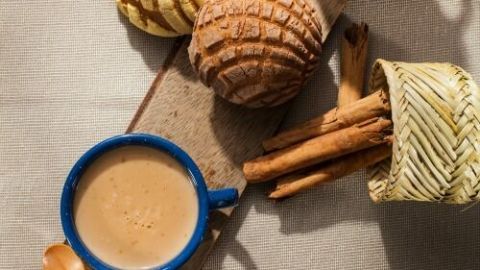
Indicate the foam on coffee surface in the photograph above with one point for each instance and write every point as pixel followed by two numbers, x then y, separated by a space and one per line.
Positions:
pixel 135 207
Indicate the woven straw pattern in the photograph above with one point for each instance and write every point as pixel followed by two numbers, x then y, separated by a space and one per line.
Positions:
pixel 436 128
pixel 165 18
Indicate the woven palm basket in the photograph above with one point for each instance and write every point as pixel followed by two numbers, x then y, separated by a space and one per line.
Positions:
pixel 435 112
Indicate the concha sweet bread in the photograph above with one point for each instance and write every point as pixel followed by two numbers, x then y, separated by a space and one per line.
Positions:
pixel 165 18
pixel 256 52
pixel 436 117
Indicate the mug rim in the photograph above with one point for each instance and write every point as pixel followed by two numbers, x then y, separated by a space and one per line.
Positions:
pixel 112 143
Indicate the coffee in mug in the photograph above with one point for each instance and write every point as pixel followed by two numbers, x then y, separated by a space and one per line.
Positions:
pixel 135 207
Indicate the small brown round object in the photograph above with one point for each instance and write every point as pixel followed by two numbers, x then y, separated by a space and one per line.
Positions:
pixel 255 52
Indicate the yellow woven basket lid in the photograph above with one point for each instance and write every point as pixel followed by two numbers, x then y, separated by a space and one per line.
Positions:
pixel 435 112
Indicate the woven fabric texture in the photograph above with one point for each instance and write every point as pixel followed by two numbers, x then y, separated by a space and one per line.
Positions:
pixel 436 119
pixel 74 72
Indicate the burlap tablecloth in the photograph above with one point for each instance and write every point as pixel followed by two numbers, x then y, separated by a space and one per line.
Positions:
pixel 74 72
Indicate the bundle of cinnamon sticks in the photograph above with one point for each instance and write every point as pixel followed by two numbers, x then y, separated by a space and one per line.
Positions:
pixel 354 135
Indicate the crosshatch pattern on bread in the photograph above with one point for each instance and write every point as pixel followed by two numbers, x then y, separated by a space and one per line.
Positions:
pixel 165 18
pixel 256 52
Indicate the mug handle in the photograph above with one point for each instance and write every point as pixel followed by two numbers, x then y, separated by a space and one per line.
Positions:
pixel 222 198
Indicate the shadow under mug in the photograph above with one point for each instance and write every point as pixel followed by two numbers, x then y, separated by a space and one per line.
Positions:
pixel 207 199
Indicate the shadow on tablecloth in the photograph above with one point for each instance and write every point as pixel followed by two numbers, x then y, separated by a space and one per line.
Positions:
pixel 410 235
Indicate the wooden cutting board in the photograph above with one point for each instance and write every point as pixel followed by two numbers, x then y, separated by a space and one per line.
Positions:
pixel 218 135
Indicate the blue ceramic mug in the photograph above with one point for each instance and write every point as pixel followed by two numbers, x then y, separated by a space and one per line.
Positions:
pixel 207 199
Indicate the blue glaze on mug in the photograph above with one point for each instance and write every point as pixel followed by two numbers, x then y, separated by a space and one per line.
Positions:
pixel 207 200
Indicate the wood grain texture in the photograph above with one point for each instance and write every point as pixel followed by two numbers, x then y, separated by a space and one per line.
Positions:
pixel 218 135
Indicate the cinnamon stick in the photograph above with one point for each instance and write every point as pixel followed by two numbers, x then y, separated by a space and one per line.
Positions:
pixel 352 67
pixel 360 136
pixel 374 105
pixel 331 170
